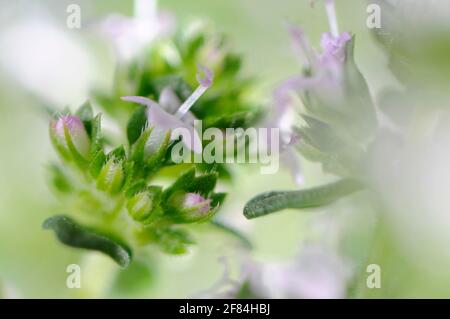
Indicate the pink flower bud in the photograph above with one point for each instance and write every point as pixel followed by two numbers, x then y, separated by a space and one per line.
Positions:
pixel 190 207
pixel 77 133
pixel 197 202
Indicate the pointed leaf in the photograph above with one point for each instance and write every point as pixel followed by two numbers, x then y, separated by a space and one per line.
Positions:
pixel 136 124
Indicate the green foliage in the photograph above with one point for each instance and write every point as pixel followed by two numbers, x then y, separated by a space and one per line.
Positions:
pixel 271 202
pixel 338 131
pixel 74 235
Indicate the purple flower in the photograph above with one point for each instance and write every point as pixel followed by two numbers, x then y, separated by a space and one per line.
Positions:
pixel 69 129
pixel 334 47
pixel 333 44
pixel 166 116
pixel 324 79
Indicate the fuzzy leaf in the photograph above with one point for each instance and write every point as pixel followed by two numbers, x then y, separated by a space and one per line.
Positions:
pixel 217 199
pixel 72 234
pixel 170 240
pixel 86 115
pixel 182 183
pixel 118 153
pixel 203 184
pixel 136 124
pixel 96 164
pixel 271 202
pixel 96 135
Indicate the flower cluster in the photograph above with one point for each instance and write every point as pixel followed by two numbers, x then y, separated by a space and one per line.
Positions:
pixel 113 194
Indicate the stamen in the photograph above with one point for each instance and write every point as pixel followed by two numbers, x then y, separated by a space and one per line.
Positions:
pixel 205 83
pixel 332 20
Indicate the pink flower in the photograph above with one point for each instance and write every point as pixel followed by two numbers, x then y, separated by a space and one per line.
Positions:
pixel 166 117
pixel 324 79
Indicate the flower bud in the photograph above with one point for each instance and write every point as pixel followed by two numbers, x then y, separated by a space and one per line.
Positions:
pixel 69 130
pixel 140 206
pixel 111 177
pixel 191 207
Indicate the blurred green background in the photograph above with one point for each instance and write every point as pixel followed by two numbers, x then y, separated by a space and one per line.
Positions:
pixel 32 262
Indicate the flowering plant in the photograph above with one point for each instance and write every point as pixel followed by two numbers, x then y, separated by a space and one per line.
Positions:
pixel 339 119
pixel 113 202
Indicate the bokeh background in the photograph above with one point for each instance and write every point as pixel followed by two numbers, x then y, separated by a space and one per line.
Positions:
pixel 42 60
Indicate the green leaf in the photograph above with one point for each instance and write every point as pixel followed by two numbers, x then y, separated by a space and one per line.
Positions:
pixel 359 101
pixel 86 114
pixel 135 188
pixel 72 234
pixel 96 164
pixel 136 124
pixel 138 149
pixel 182 183
pixel 217 199
pixel 271 202
pixel 96 137
pixel 59 179
pixel 156 160
pixel 203 185
pixel 118 153
pixel 77 157
pixel 171 240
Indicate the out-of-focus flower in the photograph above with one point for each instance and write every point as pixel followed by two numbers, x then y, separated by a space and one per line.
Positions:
pixel 69 130
pixel 161 117
pixel 325 68
pixel 131 35
pixel 324 78
pixel 317 273
pixel 50 62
